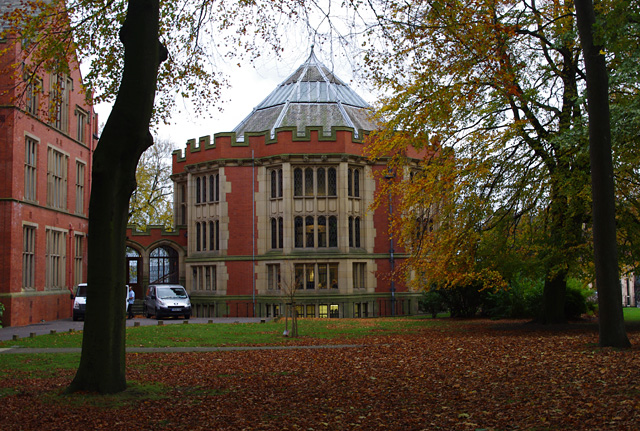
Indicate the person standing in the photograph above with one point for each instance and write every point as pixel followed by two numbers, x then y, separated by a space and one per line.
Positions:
pixel 131 297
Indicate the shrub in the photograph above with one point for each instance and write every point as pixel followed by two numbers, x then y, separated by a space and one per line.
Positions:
pixel 431 302
pixel 463 301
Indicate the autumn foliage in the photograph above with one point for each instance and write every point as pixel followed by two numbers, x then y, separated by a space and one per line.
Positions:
pixel 458 376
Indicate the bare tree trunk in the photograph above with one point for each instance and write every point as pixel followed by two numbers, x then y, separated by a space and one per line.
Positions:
pixel 611 321
pixel 125 137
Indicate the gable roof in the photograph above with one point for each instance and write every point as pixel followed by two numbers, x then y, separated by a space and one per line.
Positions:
pixel 312 96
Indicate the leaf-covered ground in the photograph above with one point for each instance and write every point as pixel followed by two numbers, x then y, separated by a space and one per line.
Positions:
pixel 480 375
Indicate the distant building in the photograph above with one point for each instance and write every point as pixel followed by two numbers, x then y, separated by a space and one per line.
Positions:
pixel 46 148
pixel 281 201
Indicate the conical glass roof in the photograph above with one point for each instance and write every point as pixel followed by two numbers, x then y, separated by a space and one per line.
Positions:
pixel 312 96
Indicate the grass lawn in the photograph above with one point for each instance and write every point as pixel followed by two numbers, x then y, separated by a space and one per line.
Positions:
pixel 631 314
pixel 404 374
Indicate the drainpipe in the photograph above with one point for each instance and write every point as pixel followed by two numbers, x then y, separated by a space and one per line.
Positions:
pixel 253 232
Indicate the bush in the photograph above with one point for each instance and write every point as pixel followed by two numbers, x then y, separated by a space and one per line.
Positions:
pixel 432 303
pixel 463 301
pixel 523 300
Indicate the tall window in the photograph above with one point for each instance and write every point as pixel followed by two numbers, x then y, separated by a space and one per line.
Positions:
pixel 80 187
pixel 77 260
pixel 204 278
pixel 56 179
pixel 353 182
pixel 214 187
pixel 275 180
pixel 28 257
pixel 61 87
pixel 359 275
pixel 32 96
pixel 277 235
pixel 30 169
pixel 354 232
pixel 81 125
pixel 198 233
pixel 214 235
pixel 312 181
pixel 163 266
pixel 311 232
pixel 198 190
pixel 312 276
pixel 273 276
pixel 55 258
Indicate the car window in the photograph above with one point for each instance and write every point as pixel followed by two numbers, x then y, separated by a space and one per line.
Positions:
pixel 82 291
pixel 171 292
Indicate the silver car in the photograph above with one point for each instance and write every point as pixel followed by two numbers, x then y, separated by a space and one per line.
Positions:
pixel 164 300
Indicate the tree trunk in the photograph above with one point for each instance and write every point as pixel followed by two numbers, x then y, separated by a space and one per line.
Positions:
pixel 554 297
pixel 611 319
pixel 125 137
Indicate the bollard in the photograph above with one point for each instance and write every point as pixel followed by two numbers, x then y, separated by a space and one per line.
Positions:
pixel 53 331
pixel 210 321
pixel 186 322
pixel 263 320
pixel 71 330
pixel 15 337
pixel 136 324
pixel 160 322
pixel 32 335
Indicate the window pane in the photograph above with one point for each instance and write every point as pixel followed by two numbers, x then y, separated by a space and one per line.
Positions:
pixel 308 182
pixel 204 189
pixel 322 182
pixel 322 276
pixel 197 236
pixel 280 233
pixel 349 186
pixel 274 233
pixel 299 274
pixel 311 279
pixel 310 232
pixel 297 182
pixel 356 183
pixel 333 231
pixel 274 185
pixel 280 183
pixel 198 190
pixel 212 183
pixel 299 238
pixel 350 231
pixel 332 182
pixel 356 228
pixel 322 231
pixel 333 275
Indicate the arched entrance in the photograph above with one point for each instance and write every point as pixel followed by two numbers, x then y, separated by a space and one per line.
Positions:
pixel 163 266
pixel 134 271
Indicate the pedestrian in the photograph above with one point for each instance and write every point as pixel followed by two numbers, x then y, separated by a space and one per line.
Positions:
pixel 131 296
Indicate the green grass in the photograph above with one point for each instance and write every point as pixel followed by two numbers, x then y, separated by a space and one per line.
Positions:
pixel 237 334
pixel 631 314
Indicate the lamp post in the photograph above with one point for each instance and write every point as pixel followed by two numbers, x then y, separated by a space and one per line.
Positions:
pixel 389 178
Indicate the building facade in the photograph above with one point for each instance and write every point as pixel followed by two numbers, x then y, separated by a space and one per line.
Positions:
pixel 277 212
pixel 46 147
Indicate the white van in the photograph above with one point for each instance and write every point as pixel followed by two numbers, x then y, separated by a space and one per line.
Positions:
pixel 164 300
pixel 80 301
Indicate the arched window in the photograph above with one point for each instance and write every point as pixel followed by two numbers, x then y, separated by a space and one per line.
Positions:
pixel 322 231
pixel 198 247
pixel 198 190
pixel 163 266
pixel 308 182
pixel 297 182
pixel 322 182
pixel 274 184
pixel 310 231
pixel 274 232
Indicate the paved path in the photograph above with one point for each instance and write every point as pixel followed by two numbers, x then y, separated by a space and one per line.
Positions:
pixel 66 325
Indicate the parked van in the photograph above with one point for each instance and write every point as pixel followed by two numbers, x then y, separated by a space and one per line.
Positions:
pixel 164 300
pixel 80 301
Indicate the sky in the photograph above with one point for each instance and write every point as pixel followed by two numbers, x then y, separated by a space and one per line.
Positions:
pixel 250 85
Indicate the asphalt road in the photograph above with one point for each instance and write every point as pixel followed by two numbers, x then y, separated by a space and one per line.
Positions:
pixel 66 325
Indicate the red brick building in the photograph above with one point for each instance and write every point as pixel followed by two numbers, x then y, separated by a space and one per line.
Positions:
pixel 282 200
pixel 46 147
